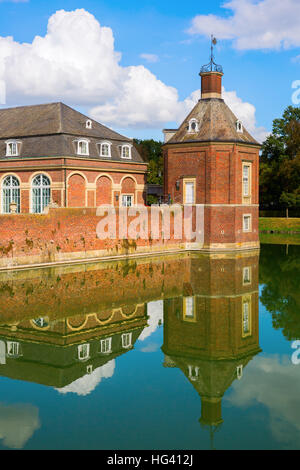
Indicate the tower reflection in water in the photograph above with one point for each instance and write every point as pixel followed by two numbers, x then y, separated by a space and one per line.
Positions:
pixel 65 328
pixel 211 333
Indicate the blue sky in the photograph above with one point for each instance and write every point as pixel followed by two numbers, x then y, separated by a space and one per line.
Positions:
pixel 162 47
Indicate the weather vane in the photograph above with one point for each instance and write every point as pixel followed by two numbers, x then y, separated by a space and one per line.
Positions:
pixel 212 66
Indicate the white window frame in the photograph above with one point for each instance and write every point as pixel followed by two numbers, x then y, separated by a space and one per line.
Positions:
pixel 191 122
pixel 246 275
pixel 246 180
pixel 10 193
pixel 126 340
pixel 126 146
pixel 81 141
pixel 89 124
pixel 41 197
pixel 189 308
pixel 246 316
pixel 83 348
pixel 10 153
pixel 239 372
pixel 193 372
pixel 127 195
pixel 16 348
pixel 239 127
pixel 249 229
pixel 109 149
pixel 106 345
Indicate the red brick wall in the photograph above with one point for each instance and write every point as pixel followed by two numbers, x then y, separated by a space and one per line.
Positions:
pixel 103 191
pixel 218 169
pixel 76 191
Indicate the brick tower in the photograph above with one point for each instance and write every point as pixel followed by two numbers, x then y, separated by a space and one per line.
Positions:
pixel 212 160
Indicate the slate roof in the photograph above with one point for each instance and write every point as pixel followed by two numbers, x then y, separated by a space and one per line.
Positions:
pixel 52 129
pixel 216 123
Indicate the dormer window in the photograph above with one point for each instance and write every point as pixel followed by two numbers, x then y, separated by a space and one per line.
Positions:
pixel 12 148
pixel 126 152
pixel 89 124
pixel 105 149
pixel 239 126
pixel 127 340
pixel 193 126
pixel 13 349
pixel 83 352
pixel 83 147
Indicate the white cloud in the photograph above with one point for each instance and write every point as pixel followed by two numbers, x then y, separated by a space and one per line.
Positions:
pixel 246 113
pixel 17 424
pixel 155 311
pixel 278 391
pixel 76 62
pixel 264 24
pixel 150 348
pixel 87 384
pixel 150 57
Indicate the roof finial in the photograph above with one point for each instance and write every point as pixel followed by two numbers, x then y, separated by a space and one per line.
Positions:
pixel 212 66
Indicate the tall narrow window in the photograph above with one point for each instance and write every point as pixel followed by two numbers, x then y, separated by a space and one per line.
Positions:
pixel 189 308
pixel 246 316
pixel 246 180
pixel 41 193
pixel 10 193
pixel 247 275
pixel 247 223
pixel 127 340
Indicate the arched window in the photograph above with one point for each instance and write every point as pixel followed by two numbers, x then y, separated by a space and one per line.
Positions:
pixel 193 125
pixel 10 193
pixel 83 147
pixel 89 124
pixel 239 126
pixel 105 150
pixel 126 151
pixel 41 193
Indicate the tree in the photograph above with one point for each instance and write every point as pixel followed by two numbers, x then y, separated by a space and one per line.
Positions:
pixel 280 162
pixel 151 152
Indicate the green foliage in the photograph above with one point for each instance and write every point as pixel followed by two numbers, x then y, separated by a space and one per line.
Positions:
pixel 151 152
pixel 280 162
pixel 279 274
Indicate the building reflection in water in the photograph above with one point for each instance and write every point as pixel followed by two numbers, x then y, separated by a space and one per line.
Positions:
pixel 211 333
pixel 65 327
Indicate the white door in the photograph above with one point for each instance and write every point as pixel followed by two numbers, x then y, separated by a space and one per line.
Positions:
pixel 189 192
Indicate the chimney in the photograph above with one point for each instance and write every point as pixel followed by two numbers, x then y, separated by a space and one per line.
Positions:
pixel 211 85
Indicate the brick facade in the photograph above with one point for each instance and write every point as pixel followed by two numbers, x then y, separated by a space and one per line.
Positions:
pixel 212 157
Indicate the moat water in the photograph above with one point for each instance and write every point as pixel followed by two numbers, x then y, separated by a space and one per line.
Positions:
pixel 182 352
